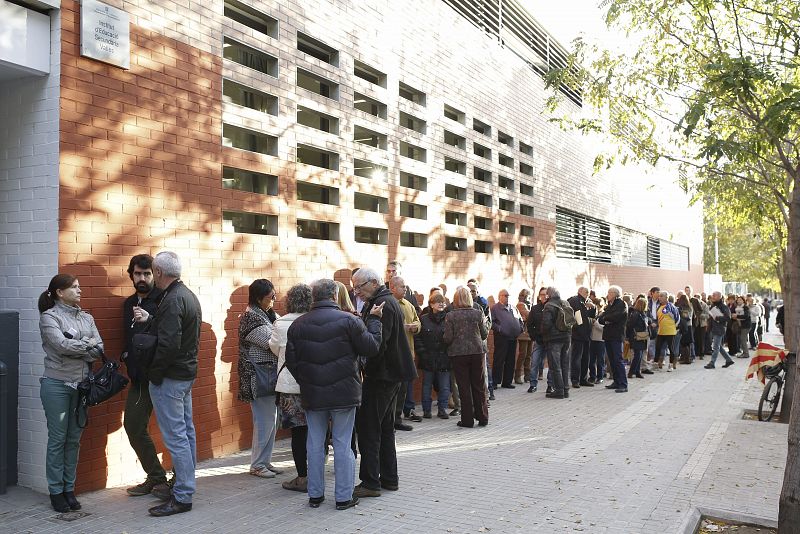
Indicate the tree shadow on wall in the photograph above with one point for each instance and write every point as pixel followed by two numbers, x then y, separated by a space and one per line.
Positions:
pixel 240 421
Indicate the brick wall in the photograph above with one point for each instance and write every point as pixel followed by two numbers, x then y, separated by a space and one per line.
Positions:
pixel 141 159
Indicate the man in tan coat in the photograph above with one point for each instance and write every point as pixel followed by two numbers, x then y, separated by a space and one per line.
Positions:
pixel 411 324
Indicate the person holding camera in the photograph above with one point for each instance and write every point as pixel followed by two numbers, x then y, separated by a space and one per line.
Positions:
pixel 71 343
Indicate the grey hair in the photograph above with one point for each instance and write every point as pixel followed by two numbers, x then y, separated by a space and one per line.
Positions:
pixel 168 263
pixel 323 289
pixel 552 292
pixel 583 288
pixel 663 294
pixel 298 298
pixel 397 280
pixel 365 273
pixel 616 290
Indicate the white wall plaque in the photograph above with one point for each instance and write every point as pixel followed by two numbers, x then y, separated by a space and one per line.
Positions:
pixel 105 33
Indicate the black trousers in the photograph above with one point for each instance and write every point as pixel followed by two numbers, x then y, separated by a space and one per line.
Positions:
pixel 138 408
pixel 505 354
pixel 375 425
pixel 579 360
pixel 660 342
pixel 469 372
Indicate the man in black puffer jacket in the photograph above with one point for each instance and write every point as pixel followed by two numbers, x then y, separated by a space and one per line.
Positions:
pixel 322 351
pixel 614 318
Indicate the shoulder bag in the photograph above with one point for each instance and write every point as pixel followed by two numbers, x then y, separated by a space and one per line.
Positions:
pixel 98 387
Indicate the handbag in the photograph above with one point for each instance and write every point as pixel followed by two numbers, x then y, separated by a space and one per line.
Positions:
pixel 266 378
pixel 143 350
pixel 644 335
pixel 98 387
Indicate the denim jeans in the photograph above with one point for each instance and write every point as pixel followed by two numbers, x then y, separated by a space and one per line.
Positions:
pixel 344 462
pixel 265 416
pixel 409 404
pixel 60 403
pixel 597 360
pixel 172 402
pixel 442 379
pixel 717 348
pixel 614 350
pixel 537 362
pixel 636 363
pixel 558 361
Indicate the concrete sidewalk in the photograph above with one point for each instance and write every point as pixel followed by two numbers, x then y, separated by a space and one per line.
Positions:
pixel 645 461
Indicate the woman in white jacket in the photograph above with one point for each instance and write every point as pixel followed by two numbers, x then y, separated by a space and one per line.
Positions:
pixel 290 410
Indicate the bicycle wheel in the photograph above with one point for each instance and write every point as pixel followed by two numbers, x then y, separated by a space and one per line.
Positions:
pixel 769 399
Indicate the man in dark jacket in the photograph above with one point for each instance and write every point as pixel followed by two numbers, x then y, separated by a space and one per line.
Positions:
pixel 322 351
pixel 507 326
pixel 581 337
pixel 534 326
pixel 719 317
pixel 614 318
pixel 556 342
pixel 139 407
pixel 172 372
pixel 383 374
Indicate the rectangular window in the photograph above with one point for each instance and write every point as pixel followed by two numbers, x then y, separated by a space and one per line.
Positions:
pixel 327 231
pixel 453 191
pixel 673 256
pixel 484 247
pixel 411 239
pixel 369 105
pixel 653 252
pixel 249 223
pixel 318 49
pixel 482 174
pixel 367 169
pixel 482 223
pixel 241 95
pixel 506 205
pixel 505 182
pixel 413 181
pixel 454 217
pixel 311 155
pixel 481 127
pixel 407 150
pixel 249 57
pixel 315 119
pixel 526 251
pixel 414 95
pixel 505 161
pixel 374 236
pixel 371 74
pixel 506 249
pixel 525 209
pixel 453 114
pixel 251 18
pixel 526 231
pixel 454 165
pixel 482 151
pixel 455 140
pixel 526 189
pixel 365 202
pixel 244 139
pixel 581 237
pixel 525 169
pixel 505 139
pixel 482 199
pixel 455 243
pixel 317 84
pixel 415 211
pixel 412 123
pixel 506 227
pixel 525 149
pixel 249 181
pixel 368 137
pixel 317 193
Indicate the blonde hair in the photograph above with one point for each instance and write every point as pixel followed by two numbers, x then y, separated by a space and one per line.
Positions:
pixel 640 305
pixel 462 298
pixel 343 298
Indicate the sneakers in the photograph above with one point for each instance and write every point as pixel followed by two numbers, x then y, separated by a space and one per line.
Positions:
pixel 532 389
pixel 411 416
pixel 262 472
pixel 362 491
pixel 455 412
pixel 144 488
pixel 347 504
pixel 296 484
pixel 728 364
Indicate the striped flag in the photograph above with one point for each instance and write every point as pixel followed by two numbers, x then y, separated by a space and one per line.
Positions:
pixel 766 356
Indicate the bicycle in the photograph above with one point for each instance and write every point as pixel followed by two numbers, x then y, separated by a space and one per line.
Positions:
pixel 771 396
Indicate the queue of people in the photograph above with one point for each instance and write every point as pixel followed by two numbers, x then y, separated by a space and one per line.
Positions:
pixel 339 368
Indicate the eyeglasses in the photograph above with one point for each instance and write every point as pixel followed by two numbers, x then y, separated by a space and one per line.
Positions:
pixel 359 286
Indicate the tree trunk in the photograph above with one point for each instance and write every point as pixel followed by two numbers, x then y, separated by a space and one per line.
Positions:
pixel 789 511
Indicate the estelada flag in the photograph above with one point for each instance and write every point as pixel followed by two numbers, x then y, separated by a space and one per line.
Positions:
pixel 766 356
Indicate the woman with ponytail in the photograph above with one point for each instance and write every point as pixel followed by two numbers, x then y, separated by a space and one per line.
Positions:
pixel 71 343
